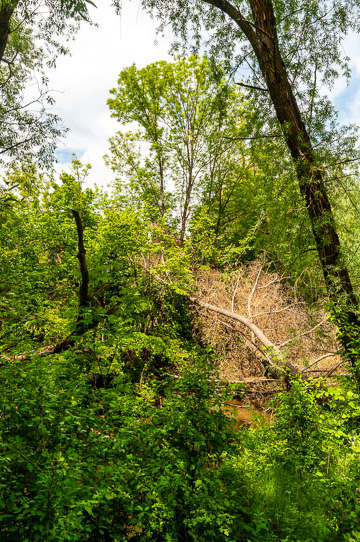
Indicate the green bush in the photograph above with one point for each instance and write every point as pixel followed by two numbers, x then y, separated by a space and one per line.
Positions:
pixel 297 480
pixel 84 464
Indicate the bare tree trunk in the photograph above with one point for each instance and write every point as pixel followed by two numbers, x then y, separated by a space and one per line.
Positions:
pixel 185 214
pixel 262 35
pixel 162 186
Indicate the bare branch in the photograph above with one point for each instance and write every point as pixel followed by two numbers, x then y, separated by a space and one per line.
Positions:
pixel 252 87
pixel 302 334
pixel 280 310
pixel 334 368
pixel 253 328
pixel 234 294
pixel 256 350
pixel 253 291
pixel 324 356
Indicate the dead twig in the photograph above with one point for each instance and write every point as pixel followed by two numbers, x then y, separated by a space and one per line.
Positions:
pixel 329 354
pixel 302 334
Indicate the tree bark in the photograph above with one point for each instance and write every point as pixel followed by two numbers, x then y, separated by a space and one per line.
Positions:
pixel 84 285
pixel 262 34
pixel 6 12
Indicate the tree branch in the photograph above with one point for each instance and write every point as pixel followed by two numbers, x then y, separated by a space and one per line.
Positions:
pixel 252 87
pixel 329 354
pixel 253 328
pixel 302 334
pixel 84 286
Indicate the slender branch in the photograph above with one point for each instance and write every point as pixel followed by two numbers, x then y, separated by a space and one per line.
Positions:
pixel 256 350
pixel 252 87
pixel 84 287
pixel 253 137
pixel 253 291
pixel 302 334
pixel 235 292
pixel 277 311
pixel 274 281
pixel 328 355
pixel 334 368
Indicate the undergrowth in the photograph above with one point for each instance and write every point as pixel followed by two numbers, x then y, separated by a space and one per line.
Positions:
pixel 80 463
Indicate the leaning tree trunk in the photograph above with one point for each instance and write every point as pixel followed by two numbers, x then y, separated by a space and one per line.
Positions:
pixel 262 35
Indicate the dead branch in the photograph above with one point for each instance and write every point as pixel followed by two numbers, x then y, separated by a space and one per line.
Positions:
pixel 333 369
pixel 277 311
pixel 253 328
pixel 251 295
pixel 302 334
pixel 256 350
pixel 234 294
pixel 329 354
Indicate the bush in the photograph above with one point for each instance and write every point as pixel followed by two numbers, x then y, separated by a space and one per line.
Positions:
pixel 85 464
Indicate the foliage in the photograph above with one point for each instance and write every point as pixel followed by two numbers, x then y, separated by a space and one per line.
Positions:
pixel 104 464
pixel 310 49
pixel 32 39
pixel 299 477
pixel 194 125
pixel 111 424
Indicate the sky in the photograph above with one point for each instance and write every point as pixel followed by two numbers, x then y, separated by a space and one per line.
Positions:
pixel 81 82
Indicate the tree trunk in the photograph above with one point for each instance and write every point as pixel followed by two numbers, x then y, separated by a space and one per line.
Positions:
pixel 262 35
pixel 5 17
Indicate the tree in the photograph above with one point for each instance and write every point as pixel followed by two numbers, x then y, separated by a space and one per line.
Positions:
pixel 51 18
pixel 285 42
pixel 191 120
pixel 31 35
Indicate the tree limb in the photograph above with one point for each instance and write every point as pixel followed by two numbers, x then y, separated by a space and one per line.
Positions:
pixel 252 87
pixel 303 334
pixel 84 286
pixel 329 354
pixel 253 328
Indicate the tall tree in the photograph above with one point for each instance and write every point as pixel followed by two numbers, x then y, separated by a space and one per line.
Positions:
pixel 191 118
pixel 318 30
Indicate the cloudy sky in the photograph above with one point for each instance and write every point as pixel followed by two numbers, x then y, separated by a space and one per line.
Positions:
pixel 82 81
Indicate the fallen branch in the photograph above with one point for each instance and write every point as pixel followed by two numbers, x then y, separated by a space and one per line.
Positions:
pixel 279 310
pixel 333 369
pixel 255 349
pixel 253 328
pixel 287 370
pixel 302 334
pixel 329 354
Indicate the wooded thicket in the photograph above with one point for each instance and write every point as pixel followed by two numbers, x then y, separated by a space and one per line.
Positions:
pixel 221 266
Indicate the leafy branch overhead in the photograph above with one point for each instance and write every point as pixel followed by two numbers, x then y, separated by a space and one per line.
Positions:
pixel 32 35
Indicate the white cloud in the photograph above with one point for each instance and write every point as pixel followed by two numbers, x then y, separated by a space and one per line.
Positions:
pixel 82 81
pixel 347 97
